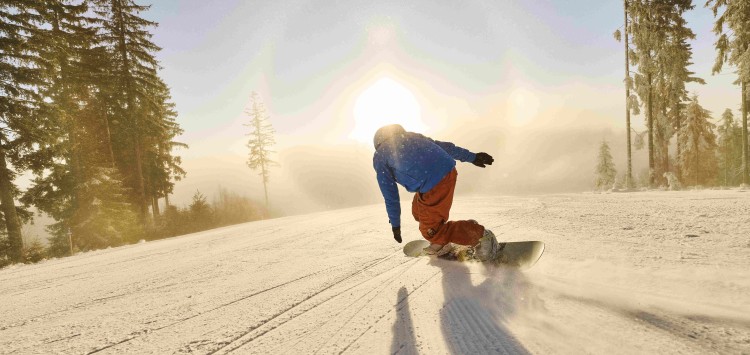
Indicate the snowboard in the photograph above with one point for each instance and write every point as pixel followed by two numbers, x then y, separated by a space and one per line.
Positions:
pixel 521 255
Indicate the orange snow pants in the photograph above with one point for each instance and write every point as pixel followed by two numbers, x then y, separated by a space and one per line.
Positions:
pixel 431 210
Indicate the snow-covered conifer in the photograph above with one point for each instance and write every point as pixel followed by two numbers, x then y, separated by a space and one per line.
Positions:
pixel 261 140
pixel 662 53
pixel 729 150
pixel 697 142
pixel 605 168
pixel 733 30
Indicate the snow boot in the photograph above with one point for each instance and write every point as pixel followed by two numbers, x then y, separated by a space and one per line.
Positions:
pixel 438 250
pixel 488 247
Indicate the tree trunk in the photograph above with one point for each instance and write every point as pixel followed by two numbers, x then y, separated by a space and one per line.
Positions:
pixel 263 161
pixel 155 207
pixel 727 135
pixel 265 189
pixel 650 120
pixel 678 160
pixel 665 147
pixel 744 135
pixel 629 176
pixel 726 158
pixel 666 156
pixel 678 163
pixel 265 179
pixel 7 204
pixel 110 149
pixel 139 177
pixel 697 169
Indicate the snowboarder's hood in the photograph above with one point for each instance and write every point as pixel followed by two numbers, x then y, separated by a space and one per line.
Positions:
pixel 387 132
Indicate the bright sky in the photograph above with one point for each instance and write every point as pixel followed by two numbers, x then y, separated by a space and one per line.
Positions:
pixel 520 62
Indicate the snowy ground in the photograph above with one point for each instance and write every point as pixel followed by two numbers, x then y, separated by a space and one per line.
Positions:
pixel 652 272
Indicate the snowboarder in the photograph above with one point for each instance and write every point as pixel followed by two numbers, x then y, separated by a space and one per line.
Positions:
pixel 428 168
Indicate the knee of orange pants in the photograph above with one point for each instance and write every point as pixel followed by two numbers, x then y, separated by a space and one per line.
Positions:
pixel 458 232
pixel 434 233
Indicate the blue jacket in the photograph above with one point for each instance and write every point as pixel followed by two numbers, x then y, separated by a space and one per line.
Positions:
pixel 416 162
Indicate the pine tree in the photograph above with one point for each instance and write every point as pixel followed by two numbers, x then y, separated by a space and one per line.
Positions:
pixel 201 213
pixel 662 54
pixel 671 88
pixel 64 34
pixel 83 108
pixel 698 143
pixel 733 47
pixel 628 86
pixel 729 150
pixel 161 166
pixel 647 38
pixel 605 168
pixel 261 140
pixel 21 125
pixel 77 158
pixel 631 101
pixel 90 110
pixel 133 73
pixel 725 144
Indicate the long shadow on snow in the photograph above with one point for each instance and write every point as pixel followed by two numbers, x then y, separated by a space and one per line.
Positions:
pixel 404 341
pixel 473 317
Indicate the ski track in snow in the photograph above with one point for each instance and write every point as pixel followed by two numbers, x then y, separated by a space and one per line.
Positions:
pixel 646 272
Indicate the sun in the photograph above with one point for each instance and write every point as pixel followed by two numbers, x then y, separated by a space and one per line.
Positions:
pixel 385 102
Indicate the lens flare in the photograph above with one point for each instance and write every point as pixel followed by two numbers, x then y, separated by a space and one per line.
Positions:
pixel 385 102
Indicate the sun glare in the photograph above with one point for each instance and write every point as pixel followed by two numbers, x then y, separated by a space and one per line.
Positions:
pixel 385 102
pixel 523 106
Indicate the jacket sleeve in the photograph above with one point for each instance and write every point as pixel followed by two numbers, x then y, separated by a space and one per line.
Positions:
pixel 388 188
pixel 456 152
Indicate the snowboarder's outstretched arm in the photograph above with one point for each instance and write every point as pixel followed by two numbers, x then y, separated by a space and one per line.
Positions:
pixel 456 152
pixel 464 155
pixel 388 188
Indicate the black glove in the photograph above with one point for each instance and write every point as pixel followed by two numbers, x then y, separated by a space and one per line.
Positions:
pixel 397 234
pixel 483 159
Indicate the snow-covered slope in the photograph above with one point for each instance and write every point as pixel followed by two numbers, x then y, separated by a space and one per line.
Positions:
pixel 657 272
